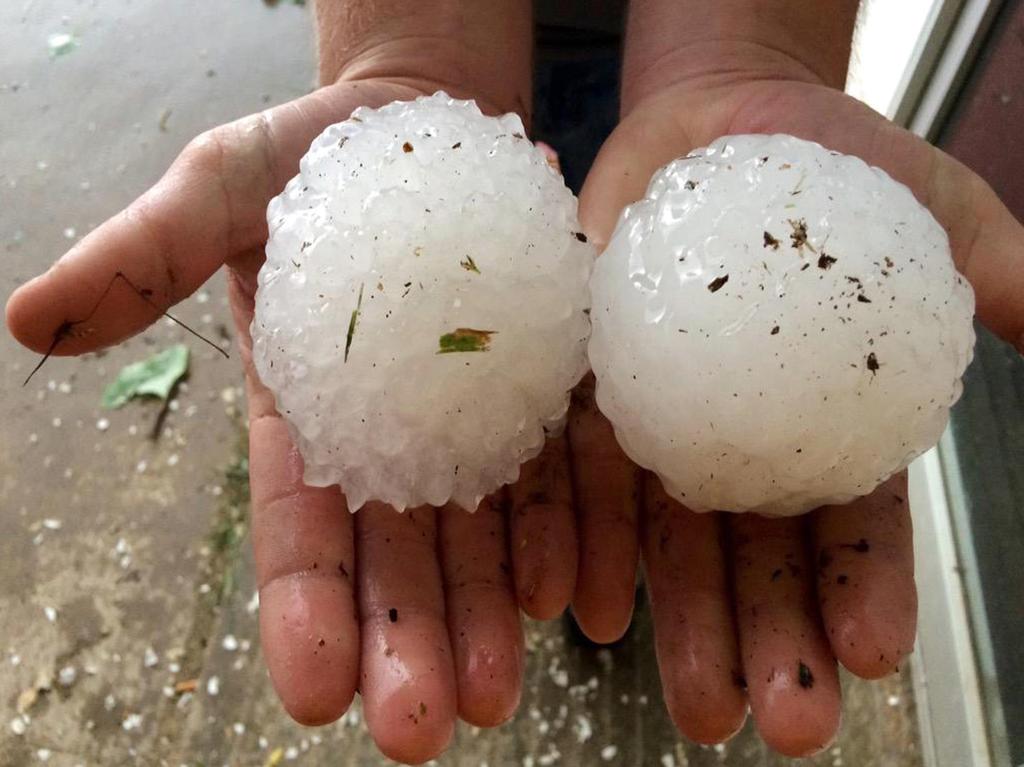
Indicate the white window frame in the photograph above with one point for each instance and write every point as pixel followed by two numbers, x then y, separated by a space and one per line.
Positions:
pixel 960 725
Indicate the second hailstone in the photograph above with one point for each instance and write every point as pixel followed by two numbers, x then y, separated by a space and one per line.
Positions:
pixel 777 327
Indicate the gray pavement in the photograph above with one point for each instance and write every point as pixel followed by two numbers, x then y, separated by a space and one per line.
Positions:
pixel 127 611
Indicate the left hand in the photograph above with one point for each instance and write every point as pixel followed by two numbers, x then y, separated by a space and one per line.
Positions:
pixel 418 611
pixel 837 584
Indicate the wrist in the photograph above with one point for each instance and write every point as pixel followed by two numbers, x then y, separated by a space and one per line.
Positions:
pixel 711 65
pixel 447 67
pixel 480 50
pixel 711 44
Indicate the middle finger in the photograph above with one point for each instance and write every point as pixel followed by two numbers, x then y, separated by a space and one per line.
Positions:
pixel 791 674
pixel 483 617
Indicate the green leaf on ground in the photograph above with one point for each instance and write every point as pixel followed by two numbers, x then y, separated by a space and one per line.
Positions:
pixel 154 377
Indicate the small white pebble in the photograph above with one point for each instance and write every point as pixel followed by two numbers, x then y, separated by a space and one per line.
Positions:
pixel 43 754
pixel 719 748
pixel 204 588
pixel 67 676
pixel 57 422
pixel 291 753
pixel 150 658
pixel 131 722
pixel 553 755
pixel 69 232
pixel 213 685
pixel 167 691
pixel 42 165
pixel 893 700
pixel 667 760
pixel 263 743
pixel 64 387
pixel 174 668
pixel 18 726
pixel 109 702
pixel 52 524
pixel 172 459
pixel 239 728
pixel 140 467
pixel 229 643
pixel 583 729
pixel 50 613
pixel 103 424
pixel 33 438
pixel 85 186
pixel 608 752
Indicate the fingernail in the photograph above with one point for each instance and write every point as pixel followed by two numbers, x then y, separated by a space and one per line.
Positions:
pixel 550 154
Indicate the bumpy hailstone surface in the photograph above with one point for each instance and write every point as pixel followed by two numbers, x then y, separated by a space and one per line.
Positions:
pixel 777 327
pixel 421 316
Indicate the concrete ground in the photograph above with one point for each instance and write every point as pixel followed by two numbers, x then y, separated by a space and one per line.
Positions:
pixel 127 609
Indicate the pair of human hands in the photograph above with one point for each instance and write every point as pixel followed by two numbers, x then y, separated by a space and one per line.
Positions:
pixel 421 611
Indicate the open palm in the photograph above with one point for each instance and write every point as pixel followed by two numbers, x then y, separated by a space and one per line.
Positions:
pixel 760 610
pixel 418 611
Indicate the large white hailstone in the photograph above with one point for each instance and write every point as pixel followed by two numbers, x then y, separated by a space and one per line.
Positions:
pixel 422 314
pixel 777 327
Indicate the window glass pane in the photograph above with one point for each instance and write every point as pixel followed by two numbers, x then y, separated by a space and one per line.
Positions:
pixel 886 39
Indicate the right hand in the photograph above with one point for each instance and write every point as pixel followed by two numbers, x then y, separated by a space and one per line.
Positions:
pixel 745 606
